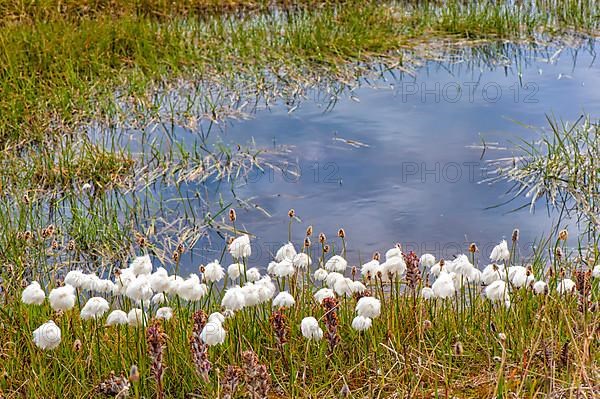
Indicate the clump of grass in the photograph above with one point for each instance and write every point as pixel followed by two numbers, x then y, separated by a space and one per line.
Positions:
pixel 464 345
pixel 562 168
pixel 64 70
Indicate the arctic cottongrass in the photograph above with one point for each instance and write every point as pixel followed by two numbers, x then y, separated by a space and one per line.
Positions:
pixel 361 323
pixel 301 261
pixel 75 278
pixel 394 267
pixel 332 278
pixel 566 286
pixel 368 307
pixel 213 272
pixel 62 298
pixel 336 264
pixel 284 268
pixel 500 252
pixel 191 289
pixel 540 288
pixel 371 269
pixel 497 291
pixel 240 247
pixel 492 272
pixel 47 336
pixel 320 274
pixel 235 270
pixel 116 317
pixel 343 286
pixel 159 280
pixel 286 252
pixel 443 286
pixel 139 289
pixel 33 294
pixel 234 298
pixel 157 299
pixel 136 317
pixel 284 299
pixel 252 274
pixel 94 308
pixel 213 333
pixel 310 329
pixel 122 280
pixel 427 293
pixel 142 265
pixel 427 260
pixel 323 293
pixel 164 313
pixel 596 271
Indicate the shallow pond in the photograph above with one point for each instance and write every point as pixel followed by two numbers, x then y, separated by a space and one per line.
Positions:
pixel 402 159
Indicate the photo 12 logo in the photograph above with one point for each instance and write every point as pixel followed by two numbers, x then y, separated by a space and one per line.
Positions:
pixel 453 92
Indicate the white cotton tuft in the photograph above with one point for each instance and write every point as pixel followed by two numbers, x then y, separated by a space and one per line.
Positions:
pixel 540 288
pixel 310 329
pixel 566 286
pixel 159 280
pixel 235 270
pixel 284 268
pixel 191 289
pixel 443 286
pixel 320 274
pixel 371 268
pixel 336 264
pixel 213 272
pixel 497 291
pixel 427 260
pixel 301 261
pixel 62 298
pixel 95 307
pixel 234 298
pixel 157 299
pixel 142 265
pixel 164 313
pixel 596 271
pixel 368 307
pixel 252 274
pixel 323 293
pixel 33 294
pixel 493 272
pixel 75 278
pixel 427 293
pixel 213 333
pixel 47 336
pixel 393 268
pixel 116 317
pixel 361 323
pixel 500 252
pixel 136 317
pixel 286 252
pixel 139 289
pixel 284 300
pixel 240 247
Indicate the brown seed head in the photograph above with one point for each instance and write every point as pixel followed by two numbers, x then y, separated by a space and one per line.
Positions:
pixel 232 215
pixel 309 231
pixel 341 233
pixel 376 256
pixel 291 213
pixel 326 248
pixel 515 235
pixel 322 238
pixel 563 235
pixel 307 242
pixel 473 248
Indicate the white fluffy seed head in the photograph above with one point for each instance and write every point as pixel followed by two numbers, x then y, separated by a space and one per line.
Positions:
pixel 336 264
pixel 213 272
pixel 164 313
pixel 240 247
pixel 116 317
pixel 33 294
pixel 361 323
pixel 94 308
pixel 213 333
pixel 310 329
pixel 368 307
pixel 284 299
pixel 62 298
pixel 47 336
pixel 141 265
